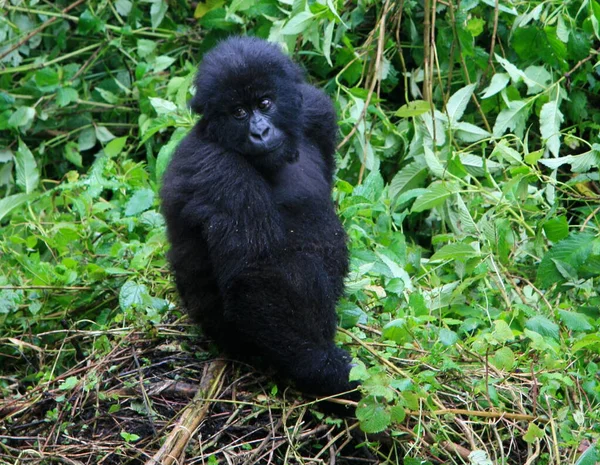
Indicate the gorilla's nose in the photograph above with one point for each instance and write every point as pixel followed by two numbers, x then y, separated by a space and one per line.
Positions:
pixel 260 133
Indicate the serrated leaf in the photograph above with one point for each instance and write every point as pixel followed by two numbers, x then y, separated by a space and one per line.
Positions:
pixel 123 7
pixel 327 40
pixel 550 120
pixel 7 204
pixel 513 118
pixel 447 337
pixel 396 331
pixel 22 117
pixel 458 251
pixel 579 163
pixel 433 163
pixel 575 321
pixel 537 79
pixel 458 102
pixel 68 383
pixel 86 139
pixel 132 294
pixel 516 75
pixel 497 84
pixel 103 134
pixel 504 152
pixel 162 62
pixel 66 95
pixel 468 132
pixel 533 433
pixel 115 146
pixel 543 326
pixel 373 417
pixel 557 228
pixel 140 201
pixel 157 11
pixel 409 177
pixel 504 359
pixel 204 7
pixel 476 165
pixel 298 23
pixel 414 108
pixel 28 176
pixel 574 250
pixel 435 195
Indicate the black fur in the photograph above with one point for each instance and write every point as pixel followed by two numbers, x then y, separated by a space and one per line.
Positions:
pixel 258 252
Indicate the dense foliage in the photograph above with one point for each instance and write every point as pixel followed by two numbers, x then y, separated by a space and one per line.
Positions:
pixel 468 183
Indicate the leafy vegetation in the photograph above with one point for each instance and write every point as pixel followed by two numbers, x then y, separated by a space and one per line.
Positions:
pixel 468 183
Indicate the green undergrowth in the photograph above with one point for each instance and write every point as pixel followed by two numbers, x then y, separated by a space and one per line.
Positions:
pixel 468 185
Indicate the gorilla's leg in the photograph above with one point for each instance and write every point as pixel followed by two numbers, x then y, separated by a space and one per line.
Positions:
pixel 286 312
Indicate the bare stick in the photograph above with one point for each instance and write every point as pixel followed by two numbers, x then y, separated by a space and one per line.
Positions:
pixel 172 450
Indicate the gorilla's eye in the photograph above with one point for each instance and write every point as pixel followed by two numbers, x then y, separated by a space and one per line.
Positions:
pixel 239 113
pixel 264 104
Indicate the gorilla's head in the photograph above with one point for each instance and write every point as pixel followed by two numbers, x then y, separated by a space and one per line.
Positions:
pixel 247 91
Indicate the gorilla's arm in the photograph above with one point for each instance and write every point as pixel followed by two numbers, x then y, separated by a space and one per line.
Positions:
pixel 319 123
pixel 221 194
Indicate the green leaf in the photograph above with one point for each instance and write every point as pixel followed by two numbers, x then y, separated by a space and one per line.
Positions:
pixel 28 176
pixel 457 103
pixel 204 7
pixel 574 251
pixel 163 106
pixel 447 337
pixel 89 24
pixel 123 7
pixel 162 62
pixel 157 11
pixel 132 294
pixel 7 204
pixel 498 83
pixel 435 195
pixel 533 433
pixel 513 118
pixel 543 326
pixel 458 251
pixel 409 177
pixel 502 332
pixel 145 47
pixel 550 121
pixel 373 417
pixel 327 40
pixel 140 201
pixel 575 321
pixel 396 331
pixel 66 95
pixel 503 359
pixel 557 228
pixel 103 134
pixel 414 108
pixel 68 383
pixel 86 139
pixel 579 163
pixel 115 146
pixel 22 117
pixel 298 23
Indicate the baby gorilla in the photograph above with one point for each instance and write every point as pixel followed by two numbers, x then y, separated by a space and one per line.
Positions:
pixel 258 252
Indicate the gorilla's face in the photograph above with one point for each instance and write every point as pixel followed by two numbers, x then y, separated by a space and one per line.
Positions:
pixel 257 118
pixel 248 93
